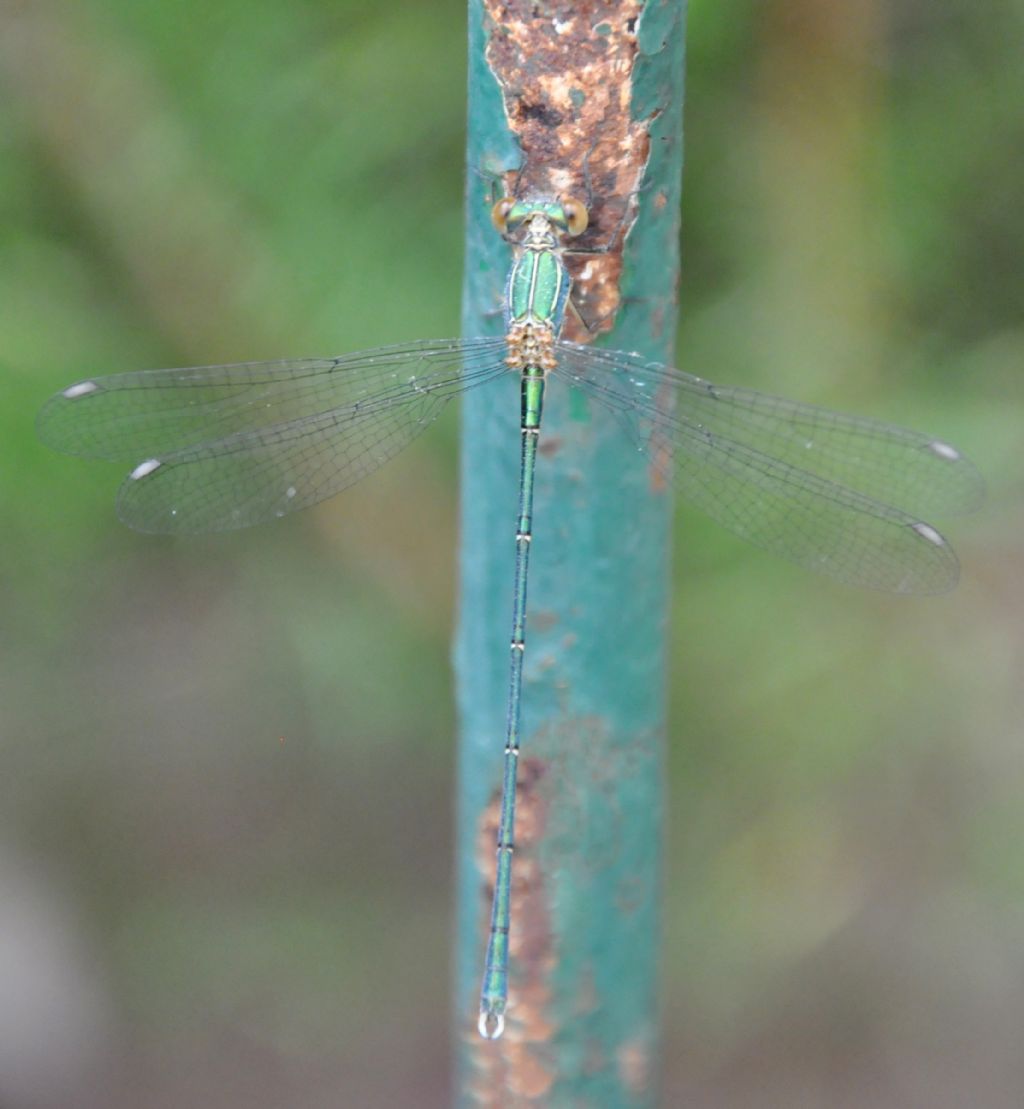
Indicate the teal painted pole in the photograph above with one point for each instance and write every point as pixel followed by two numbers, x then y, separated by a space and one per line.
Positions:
pixel 583 98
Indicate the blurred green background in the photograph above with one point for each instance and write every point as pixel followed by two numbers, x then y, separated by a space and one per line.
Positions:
pixel 226 800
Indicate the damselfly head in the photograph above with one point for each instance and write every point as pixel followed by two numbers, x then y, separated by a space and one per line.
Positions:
pixel 567 216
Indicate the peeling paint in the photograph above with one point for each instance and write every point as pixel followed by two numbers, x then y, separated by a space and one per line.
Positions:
pixel 565 71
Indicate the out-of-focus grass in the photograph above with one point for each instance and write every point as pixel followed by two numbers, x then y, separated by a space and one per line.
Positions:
pixel 228 762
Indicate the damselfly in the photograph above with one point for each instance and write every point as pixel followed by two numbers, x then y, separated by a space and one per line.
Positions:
pixel 222 447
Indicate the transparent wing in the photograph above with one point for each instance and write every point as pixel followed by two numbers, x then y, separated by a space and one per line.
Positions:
pixel 838 494
pixel 222 447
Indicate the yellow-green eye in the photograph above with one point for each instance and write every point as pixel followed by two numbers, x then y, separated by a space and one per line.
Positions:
pixel 576 217
pixel 499 213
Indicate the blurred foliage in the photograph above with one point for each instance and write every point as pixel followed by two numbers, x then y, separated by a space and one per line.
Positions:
pixel 225 809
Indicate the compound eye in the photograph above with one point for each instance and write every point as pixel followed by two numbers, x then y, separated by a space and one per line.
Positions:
pixel 576 217
pixel 499 214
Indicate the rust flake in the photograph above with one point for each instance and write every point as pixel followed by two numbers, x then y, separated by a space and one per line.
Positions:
pixel 635 1064
pixel 565 69
pixel 660 450
pixel 544 619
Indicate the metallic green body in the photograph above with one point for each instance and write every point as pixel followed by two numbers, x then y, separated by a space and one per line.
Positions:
pixel 537 291
pixel 537 288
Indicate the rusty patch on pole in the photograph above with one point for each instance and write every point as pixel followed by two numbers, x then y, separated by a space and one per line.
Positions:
pixel 565 69
pixel 518 1064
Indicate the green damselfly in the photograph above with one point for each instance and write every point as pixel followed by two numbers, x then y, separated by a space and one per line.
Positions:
pixel 222 447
